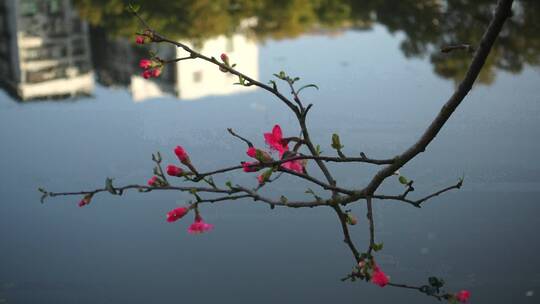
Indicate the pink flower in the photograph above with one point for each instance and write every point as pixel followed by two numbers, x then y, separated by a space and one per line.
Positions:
pixel 250 167
pixel 261 179
pixel 156 73
pixel 275 140
pixel 147 74
pixel 139 39
pixel 294 165
pixel 174 170
pixel 378 277
pixel 199 226
pixel 153 181
pixel 176 214
pixel 463 296
pixel 145 63
pixel 181 154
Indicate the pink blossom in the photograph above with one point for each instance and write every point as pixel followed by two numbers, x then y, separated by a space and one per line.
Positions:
pixel 250 167
pixel 156 73
pixel 147 74
pixel 463 296
pixel 145 63
pixel 378 277
pixel 140 39
pixel 153 181
pixel 176 214
pixel 294 165
pixel 275 140
pixel 173 170
pixel 199 226
pixel 261 179
pixel 181 154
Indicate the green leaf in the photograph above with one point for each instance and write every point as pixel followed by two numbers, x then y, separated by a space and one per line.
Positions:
pixel 229 184
pixel 307 86
pixel 378 247
pixel 336 144
pixel 274 85
pixel 109 186
pixel 436 282
pixel 403 180
pixel 283 199
pixel 318 150
pixel 134 7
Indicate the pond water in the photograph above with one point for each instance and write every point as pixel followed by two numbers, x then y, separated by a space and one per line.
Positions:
pixel 381 81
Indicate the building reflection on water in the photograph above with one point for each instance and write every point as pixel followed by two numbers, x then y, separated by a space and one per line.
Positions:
pixel 49 52
pixel 117 65
pixel 45 50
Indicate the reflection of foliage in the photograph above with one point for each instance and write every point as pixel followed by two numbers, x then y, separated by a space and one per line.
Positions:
pixel 427 24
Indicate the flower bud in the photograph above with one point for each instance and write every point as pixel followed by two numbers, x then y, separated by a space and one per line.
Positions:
pixel 250 167
pixel 176 214
pixel 225 58
pixel 153 181
pixel 145 63
pixel 140 39
pixel 181 154
pixel 351 219
pixel 463 296
pixel 147 74
pixel 174 170
pixel 156 72
pixel 85 200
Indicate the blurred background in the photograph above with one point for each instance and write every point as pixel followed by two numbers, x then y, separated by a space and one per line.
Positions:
pixel 74 109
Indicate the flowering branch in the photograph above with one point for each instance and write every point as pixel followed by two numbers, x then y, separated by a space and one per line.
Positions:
pixel 294 161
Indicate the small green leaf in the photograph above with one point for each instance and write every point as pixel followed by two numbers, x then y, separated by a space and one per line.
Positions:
pixel 436 282
pixel 274 85
pixel 307 86
pixel 267 174
pixel 336 143
pixel 284 200
pixel 318 150
pixel 134 7
pixel 229 184
pixel 109 186
pixel 403 180
pixel 378 247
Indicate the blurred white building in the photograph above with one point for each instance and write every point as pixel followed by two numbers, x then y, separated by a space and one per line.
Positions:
pixel 45 52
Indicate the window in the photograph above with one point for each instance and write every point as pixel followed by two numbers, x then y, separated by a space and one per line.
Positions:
pixel 197 76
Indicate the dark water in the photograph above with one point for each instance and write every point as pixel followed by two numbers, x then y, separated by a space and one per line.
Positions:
pixel 374 92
